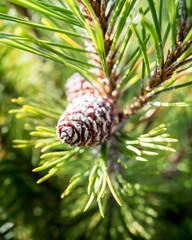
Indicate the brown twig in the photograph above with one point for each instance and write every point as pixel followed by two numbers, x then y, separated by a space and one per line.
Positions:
pixel 160 76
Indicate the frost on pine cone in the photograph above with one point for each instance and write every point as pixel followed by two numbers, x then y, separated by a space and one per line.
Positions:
pixel 91 117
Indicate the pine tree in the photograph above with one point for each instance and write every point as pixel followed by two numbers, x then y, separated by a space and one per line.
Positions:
pixel 113 47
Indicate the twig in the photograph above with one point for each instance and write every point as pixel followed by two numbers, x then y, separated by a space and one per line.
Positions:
pixel 160 76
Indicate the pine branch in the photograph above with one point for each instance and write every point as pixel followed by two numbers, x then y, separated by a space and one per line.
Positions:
pixel 91 146
pixel 176 57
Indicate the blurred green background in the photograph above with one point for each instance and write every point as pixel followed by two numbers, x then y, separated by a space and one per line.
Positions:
pixel 36 212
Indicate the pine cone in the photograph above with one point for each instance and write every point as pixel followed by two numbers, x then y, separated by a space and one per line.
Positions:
pixel 90 119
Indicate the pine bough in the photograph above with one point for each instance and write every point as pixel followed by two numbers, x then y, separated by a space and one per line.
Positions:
pixel 111 45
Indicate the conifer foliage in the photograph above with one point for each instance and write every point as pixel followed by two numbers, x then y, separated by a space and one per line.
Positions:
pixel 111 46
